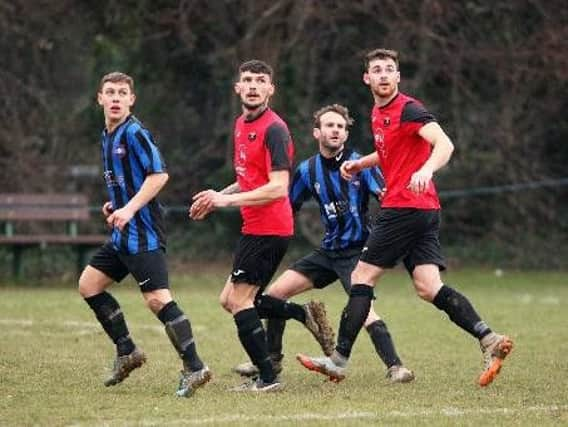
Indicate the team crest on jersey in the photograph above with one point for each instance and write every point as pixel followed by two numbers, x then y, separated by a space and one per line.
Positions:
pixel 386 121
pixel 252 136
pixel 380 143
pixel 317 187
pixel 379 137
pixel 120 151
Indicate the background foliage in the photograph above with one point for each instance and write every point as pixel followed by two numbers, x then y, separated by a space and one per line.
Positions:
pixel 494 73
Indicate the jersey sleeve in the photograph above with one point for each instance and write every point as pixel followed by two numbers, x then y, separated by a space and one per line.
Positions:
pixel 299 190
pixel 413 112
pixel 373 180
pixel 146 152
pixel 277 141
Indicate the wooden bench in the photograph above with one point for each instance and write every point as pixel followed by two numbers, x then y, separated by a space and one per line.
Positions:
pixel 42 220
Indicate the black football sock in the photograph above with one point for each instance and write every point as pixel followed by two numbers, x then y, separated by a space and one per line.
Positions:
pixel 274 334
pixel 270 307
pixel 353 317
pixel 252 337
pixel 179 332
pixel 460 311
pixel 108 313
pixel 381 338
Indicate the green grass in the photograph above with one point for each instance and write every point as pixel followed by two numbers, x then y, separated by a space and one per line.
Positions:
pixel 53 358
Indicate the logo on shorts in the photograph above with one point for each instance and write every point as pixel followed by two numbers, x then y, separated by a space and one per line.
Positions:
pixel 142 283
pixel 238 272
pixel 365 249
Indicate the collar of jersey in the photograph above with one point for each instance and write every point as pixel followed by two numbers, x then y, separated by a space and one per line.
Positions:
pixel 391 102
pixel 256 117
pixel 124 123
pixel 333 163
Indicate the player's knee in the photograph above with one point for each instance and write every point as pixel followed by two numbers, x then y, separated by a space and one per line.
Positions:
pixel 425 290
pixel 364 275
pixel 277 293
pixel 86 287
pixel 372 317
pixel 224 301
pixel 154 303
pixel 81 287
pixel 427 281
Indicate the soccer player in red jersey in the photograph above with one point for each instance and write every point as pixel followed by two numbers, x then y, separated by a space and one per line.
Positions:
pixel 409 147
pixel 263 152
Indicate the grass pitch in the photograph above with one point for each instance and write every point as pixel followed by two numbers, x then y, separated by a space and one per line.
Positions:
pixel 54 357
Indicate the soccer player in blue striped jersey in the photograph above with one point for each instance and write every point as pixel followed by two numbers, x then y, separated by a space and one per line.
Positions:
pixel 344 213
pixel 135 172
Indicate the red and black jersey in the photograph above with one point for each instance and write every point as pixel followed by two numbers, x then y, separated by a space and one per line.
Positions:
pixel 402 151
pixel 263 145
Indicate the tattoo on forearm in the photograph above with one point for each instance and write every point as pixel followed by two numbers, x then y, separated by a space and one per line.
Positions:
pixel 231 189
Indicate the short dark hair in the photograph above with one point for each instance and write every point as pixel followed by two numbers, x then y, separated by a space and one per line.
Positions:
pixel 257 66
pixel 117 77
pixel 336 108
pixel 381 54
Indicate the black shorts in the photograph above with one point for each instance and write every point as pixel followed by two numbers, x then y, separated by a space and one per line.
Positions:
pixel 324 267
pixel 257 258
pixel 148 268
pixel 410 235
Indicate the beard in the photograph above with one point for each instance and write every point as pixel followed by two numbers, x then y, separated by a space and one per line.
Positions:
pixel 332 148
pixel 384 92
pixel 250 106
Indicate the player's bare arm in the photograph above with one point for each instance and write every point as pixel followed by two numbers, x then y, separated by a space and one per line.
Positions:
pixel 350 168
pixel 441 153
pixel 149 189
pixel 275 188
pixel 203 206
pixel 232 189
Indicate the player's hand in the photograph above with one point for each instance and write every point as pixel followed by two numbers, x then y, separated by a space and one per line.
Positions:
pixel 205 202
pixel 420 180
pixel 200 209
pixel 120 218
pixel 382 193
pixel 107 209
pixel 349 168
pixel 212 198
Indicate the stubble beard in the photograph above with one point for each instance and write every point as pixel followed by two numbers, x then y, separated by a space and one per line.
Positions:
pixel 331 150
pixel 382 96
pixel 251 107
pixel 251 111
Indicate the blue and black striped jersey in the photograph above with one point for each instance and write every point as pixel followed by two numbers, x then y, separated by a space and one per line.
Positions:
pixel 129 155
pixel 343 204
